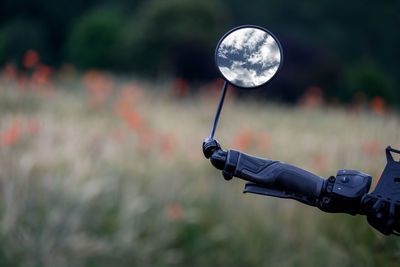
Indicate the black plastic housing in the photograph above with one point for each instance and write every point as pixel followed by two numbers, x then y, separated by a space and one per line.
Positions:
pixel 344 193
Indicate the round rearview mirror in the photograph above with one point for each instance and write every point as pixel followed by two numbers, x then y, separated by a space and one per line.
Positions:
pixel 248 56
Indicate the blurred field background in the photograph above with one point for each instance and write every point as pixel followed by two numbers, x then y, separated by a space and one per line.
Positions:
pixel 104 106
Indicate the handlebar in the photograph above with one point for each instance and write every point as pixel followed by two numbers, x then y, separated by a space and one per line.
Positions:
pixel 342 193
pixel 347 192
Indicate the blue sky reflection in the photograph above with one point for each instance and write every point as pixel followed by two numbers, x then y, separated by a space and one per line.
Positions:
pixel 248 57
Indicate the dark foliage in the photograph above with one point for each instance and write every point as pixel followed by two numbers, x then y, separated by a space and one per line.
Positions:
pixel 340 46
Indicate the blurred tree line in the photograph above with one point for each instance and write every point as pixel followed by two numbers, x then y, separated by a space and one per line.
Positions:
pixel 344 47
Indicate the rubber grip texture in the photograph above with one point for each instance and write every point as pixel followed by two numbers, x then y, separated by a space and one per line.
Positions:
pixel 278 175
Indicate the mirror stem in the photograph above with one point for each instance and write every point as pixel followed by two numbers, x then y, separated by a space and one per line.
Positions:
pixel 220 104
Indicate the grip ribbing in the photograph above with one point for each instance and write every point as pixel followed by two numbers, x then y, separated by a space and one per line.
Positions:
pixel 276 174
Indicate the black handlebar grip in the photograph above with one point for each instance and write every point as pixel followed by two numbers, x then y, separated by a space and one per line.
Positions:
pixel 271 173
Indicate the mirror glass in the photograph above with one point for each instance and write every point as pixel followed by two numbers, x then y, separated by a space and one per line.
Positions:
pixel 248 56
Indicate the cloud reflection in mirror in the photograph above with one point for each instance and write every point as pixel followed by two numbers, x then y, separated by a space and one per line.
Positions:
pixel 248 57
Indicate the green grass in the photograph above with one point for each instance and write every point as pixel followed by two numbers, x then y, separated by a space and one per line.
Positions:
pixel 83 191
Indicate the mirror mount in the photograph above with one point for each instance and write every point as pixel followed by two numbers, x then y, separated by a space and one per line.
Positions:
pixel 218 112
pixel 210 144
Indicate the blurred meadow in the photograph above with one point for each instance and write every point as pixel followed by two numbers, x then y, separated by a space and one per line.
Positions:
pixel 104 106
pixel 100 170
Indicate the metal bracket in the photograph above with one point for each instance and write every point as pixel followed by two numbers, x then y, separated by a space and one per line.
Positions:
pixel 382 206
